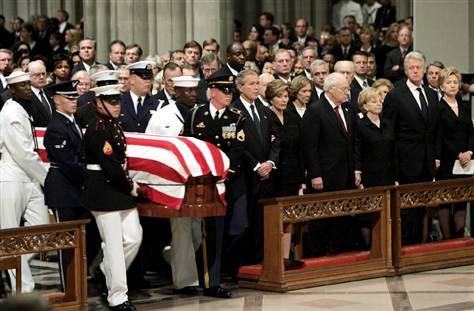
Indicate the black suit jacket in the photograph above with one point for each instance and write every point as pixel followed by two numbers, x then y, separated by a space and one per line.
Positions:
pixel 65 178
pixel 337 52
pixel 314 96
pixel 129 120
pixel 456 134
pixel 255 150
pixel 415 137
pixel 356 88
pixel 161 96
pixel 40 116
pixel 327 151
pixel 394 57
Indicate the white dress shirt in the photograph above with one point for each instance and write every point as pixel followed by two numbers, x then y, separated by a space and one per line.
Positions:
pixel 416 94
pixel 341 113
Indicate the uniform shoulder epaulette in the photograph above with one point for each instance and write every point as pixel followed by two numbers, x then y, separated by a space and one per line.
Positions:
pixel 235 110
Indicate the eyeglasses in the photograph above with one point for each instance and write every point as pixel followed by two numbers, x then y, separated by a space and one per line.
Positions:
pixel 343 89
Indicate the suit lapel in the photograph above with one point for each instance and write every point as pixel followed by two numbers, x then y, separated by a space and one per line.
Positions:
pixel 253 132
pixel 129 106
pixel 412 102
pixel 332 115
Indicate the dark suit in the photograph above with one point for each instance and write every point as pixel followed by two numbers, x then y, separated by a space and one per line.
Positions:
pixel 129 120
pixel 256 151
pixel 394 57
pixel 356 88
pixel 338 53
pixel 162 96
pixel 414 147
pixel 314 96
pixel 328 153
pixel 110 65
pixel 202 91
pixel 40 116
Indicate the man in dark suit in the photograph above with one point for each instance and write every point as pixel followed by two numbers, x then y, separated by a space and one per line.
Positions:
pixel 346 46
pixel 116 54
pixel 37 47
pixel 62 17
pixel 360 81
pixel 6 60
pixel 282 65
pixel 262 149
pixel 167 95
pixel 235 62
pixel 87 50
pixel 137 104
pixel 393 68
pixel 413 109
pixel 210 63
pixel 328 131
pixel 346 68
pixel 319 72
pixel 42 107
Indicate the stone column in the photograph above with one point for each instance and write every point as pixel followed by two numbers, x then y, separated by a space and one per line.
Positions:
pixel 157 26
pixel 444 31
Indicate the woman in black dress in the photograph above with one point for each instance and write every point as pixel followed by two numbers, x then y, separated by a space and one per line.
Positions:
pixel 374 151
pixel 290 176
pixel 455 142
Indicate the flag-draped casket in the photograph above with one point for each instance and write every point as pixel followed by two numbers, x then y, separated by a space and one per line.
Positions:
pixel 184 175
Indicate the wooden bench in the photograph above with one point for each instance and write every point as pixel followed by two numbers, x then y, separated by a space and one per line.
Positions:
pixel 66 236
pixel 432 255
pixel 271 275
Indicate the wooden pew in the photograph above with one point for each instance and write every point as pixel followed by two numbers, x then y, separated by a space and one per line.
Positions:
pixel 377 262
pixel 66 236
pixel 433 255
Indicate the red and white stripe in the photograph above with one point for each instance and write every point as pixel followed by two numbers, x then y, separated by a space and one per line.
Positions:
pixel 163 164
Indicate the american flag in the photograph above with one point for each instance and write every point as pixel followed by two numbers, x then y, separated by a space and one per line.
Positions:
pixel 163 164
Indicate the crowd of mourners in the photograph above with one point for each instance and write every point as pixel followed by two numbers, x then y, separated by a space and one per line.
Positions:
pixel 297 111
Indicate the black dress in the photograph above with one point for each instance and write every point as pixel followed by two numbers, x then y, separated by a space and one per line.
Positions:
pixel 456 134
pixel 290 173
pixel 374 152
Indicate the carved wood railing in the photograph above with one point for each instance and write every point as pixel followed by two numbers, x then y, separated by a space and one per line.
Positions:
pixel 434 255
pixel 66 236
pixel 298 209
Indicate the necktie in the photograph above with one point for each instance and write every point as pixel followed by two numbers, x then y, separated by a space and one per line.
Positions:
pixel 344 52
pixel 45 103
pixel 340 121
pixel 216 116
pixel 256 121
pixel 364 84
pixel 424 104
pixel 139 105
pixel 404 52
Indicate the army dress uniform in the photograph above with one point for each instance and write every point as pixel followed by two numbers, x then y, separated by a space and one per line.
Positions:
pixel 108 194
pixel 224 129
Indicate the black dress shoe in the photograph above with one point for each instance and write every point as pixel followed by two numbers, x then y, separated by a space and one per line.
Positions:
pixel 126 306
pixel 217 292
pixel 291 264
pixel 188 291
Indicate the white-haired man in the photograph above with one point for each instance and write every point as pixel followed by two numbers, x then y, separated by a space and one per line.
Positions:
pixel 328 132
pixel 414 111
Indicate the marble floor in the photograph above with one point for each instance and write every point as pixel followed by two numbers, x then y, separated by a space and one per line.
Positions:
pixel 439 290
